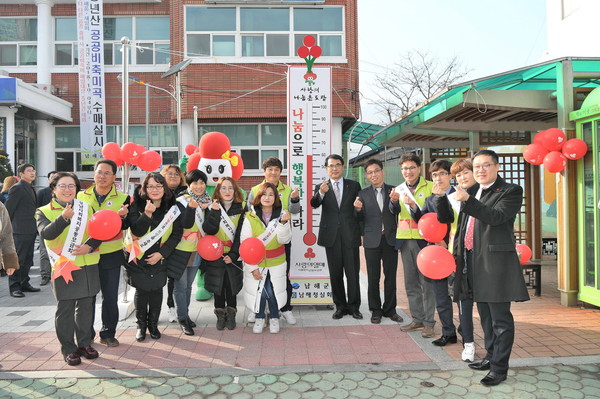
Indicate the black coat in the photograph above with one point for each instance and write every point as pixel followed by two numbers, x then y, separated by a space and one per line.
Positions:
pixel 497 273
pixel 178 260
pixel 142 275
pixel 373 218
pixel 21 205
pixel 338 219
pixel 215 270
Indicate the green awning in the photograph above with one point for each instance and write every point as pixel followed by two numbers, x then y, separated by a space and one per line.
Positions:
pixel 362 133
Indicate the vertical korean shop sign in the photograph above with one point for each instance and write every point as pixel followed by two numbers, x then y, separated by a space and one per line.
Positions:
pixel 309 143
pixel 92 113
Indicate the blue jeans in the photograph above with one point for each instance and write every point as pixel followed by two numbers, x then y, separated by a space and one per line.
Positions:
pixel 268 295
pixel 182 291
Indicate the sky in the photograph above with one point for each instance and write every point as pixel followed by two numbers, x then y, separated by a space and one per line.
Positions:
pixel 488 36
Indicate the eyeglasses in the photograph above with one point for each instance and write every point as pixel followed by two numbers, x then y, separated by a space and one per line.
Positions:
pixel 157 187
pixel 66 186
pixel 440 174
pixel 485 166
pixel 372 172
pixel 335 166
pixel 409 168
pixel 105 174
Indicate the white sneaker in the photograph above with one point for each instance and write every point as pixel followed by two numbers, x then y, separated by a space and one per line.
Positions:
pixel 288 316
pixel 172 315
pixel 251 317
pixel 274 326
pixel 468 353
pixel 258 326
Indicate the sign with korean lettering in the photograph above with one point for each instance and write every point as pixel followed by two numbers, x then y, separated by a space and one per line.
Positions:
pixel 309 291
pixel 3 133
pixel 92 112
pixel 309 143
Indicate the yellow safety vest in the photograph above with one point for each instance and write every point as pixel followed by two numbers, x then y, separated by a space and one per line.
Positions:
pixel 275 252
pixel 221 235
pixel 53 211
pixel 283 190
pixel 114 200
pixel 407 228
pixel 190 237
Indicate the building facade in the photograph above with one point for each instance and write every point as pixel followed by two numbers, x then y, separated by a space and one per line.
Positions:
pixel 236 82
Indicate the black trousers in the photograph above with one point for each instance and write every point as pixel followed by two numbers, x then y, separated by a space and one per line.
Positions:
pixel 109 268
pixel 25 246
pixel 443 305
pixel 499 333
pixel 288 304
pixel 225 297
pixel 343 260
pixel 388 256
pixel 149 300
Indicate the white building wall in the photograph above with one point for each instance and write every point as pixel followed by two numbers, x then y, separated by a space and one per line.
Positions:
pixel 572 28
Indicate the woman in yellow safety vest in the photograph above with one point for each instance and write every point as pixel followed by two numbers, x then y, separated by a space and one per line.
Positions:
pixel 267 282
pixel 156 230
pixel 75 280
pixel 223 277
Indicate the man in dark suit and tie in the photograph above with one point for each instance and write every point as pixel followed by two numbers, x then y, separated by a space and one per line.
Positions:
pixel 21 205
pixel 484 249
pixel 379 240
pixel 339 233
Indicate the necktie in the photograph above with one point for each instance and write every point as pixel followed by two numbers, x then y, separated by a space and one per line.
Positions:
pixel 336 191
pixel 380 198
pixel 471 228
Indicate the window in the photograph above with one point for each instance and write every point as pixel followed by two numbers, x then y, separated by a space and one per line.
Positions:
pixel 254 143
pixel 18 37
pixel 149 34
pixel 251 32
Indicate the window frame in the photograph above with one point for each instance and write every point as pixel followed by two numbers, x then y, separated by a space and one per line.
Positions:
pixel 20 45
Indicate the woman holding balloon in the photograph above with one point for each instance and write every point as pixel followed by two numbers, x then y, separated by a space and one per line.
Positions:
pixel 266 280
pixel 181 265
pixel 155 230
pixel 63 224
pixel 223 273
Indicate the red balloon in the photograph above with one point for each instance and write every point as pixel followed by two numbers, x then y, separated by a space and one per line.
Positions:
pixel 524 253
pixel 111 151
pixel 539 138
pixel 252 251
pixel 555 162
pixel 535 153
pixel 119 162
pixel 131 153
pixel 303 52
pixel 554 139
pixel 189 149
pixel 309 41
pixel 210 248
pixel 430 229
pixel 150 161
pixel 436 262
pixel 574 149
pixel 316 51
pixel 104 224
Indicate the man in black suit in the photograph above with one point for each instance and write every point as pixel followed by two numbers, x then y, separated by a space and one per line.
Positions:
pixel 44 196
pixel 379 240
pixel 21 205
pixel 339 233
pixel 484 249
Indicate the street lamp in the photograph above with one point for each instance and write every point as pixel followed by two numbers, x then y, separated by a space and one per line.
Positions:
pixel 176 69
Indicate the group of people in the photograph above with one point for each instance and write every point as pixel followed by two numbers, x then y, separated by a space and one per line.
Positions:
pixel 480 212
pixel 170 211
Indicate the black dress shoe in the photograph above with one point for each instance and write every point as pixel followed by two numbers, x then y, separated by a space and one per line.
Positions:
pixel 186 327
pixel 88 352
pixel 45 280
pixel 111 342
pixel 396 317
pixel 72 359
pixel 376 319
pixel 357 315
pixel 29 288
pixel 338 314
pixel 445 339
pixel 192 324
pixel 493 378
pixel 480 365
pixel 17 294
